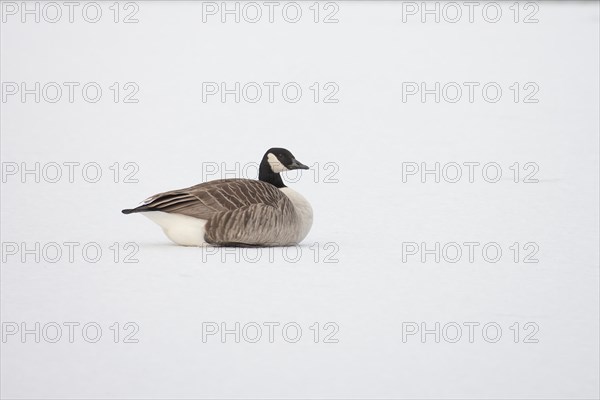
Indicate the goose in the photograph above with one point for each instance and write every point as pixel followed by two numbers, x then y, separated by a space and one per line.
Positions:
pixel 235 212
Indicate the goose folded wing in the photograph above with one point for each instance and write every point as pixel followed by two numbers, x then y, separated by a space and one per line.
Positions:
pixel 208 199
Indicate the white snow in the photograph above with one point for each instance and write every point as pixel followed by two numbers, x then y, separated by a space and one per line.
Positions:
pixel 362 220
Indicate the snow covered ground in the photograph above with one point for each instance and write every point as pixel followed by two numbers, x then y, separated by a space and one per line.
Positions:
pixel 359 274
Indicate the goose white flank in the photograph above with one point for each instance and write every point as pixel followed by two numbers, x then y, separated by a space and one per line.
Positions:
pixel 235 212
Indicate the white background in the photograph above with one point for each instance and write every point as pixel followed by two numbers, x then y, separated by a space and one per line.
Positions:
pixel 367 214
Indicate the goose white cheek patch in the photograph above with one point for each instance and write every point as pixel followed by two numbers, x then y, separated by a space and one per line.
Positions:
pixel 276 166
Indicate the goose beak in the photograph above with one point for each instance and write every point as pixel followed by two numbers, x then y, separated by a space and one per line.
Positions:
pixel 296 165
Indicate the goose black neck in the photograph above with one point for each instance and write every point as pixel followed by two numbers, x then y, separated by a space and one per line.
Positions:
pixel 266 174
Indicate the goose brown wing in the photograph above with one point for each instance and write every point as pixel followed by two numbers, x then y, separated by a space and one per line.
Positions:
pixel 209 199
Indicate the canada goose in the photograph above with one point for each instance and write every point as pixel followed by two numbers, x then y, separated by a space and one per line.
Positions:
pixel 235 212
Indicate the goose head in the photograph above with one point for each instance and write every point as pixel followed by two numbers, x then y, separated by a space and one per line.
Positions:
pixel 277 160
